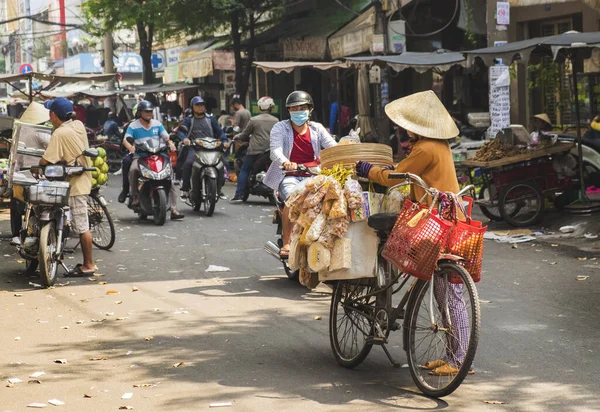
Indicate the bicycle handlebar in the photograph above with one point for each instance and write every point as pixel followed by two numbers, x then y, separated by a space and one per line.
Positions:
pixel 414 179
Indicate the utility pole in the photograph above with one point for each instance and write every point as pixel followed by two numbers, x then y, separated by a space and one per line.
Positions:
pixel 494 31
pixel 109 66
pixel 381 121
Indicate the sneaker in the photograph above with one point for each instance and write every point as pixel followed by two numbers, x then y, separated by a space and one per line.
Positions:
pixel 236 199
pixel 122 196
pixel 15 241
pixel 175 215
pixel 118 173
pixel 222 196
pixel 185 195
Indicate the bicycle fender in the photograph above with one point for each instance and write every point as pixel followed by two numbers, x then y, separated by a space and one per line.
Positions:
pixel 450 257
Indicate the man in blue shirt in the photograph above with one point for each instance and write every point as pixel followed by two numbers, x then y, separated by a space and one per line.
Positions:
pixel 111 128
pixel 143 129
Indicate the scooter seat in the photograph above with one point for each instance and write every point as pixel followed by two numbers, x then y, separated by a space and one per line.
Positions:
pixel 383 222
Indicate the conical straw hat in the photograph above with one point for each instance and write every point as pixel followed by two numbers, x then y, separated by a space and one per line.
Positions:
pixel 423 114
pixel 543 117
pixel 36 113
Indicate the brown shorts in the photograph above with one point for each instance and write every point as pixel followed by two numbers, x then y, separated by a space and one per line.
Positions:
pixel 79 210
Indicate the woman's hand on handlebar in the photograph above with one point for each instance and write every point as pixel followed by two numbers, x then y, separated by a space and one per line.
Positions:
pixel 289 166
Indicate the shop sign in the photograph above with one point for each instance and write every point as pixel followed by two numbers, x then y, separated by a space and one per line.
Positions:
pixel 223 60
pixel 503 13
pixel 201 67
pixel 499 99
pixel 309 48
pixel 229 82
pixel 173 55
pixel 351 43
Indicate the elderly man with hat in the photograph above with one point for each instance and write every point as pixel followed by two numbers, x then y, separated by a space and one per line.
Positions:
pixel 429 127
pixel 68 141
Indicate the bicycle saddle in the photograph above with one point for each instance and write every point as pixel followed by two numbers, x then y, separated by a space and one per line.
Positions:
pixel 383 222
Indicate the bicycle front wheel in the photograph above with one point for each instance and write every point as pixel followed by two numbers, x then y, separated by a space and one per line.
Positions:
pixel 442 330
pixel 351 321
pixel 102 227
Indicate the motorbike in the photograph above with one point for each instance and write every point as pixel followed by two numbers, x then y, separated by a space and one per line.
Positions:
pixel 255 185
pixel 46 226
pixel 155 181
pixel 274 249
pixel 207 174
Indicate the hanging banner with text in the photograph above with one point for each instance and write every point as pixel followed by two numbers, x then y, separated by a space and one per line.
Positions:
pixel 499 99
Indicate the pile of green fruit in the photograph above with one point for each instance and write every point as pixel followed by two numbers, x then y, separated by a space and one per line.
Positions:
pixel 100 176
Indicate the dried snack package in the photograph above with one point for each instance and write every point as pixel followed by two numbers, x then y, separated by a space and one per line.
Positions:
pixel 316 228
pixel 364 211
pixel 339 208
pixel 294 257
pixel 341 256
pixel 339 226
pixel 315 197
pixel 318 257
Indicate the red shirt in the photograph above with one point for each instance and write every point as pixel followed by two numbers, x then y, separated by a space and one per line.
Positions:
pixel 302 151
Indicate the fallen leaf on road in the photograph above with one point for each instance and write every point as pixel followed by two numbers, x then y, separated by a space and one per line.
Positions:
pixel 582 258
pixel 112 292
pixel 56 402
pixel 98 320
pixel 98 275
pixel 64 327
pixel 99 358
pixel 35 381
pixel 143 385
pixel 125 408
pixel 554 245
pixel 85 395
pixel 10 385
pixel 18 295
pixel 37 405
pixel 147 338
pixel 134 289
pixel 92 279
pixel 157 309
pixel 84 300
pixel 553 263
pixel 20 261
pixel 123 318
pixel 103 283
pixel 582 277
pixel 515 246
pixel 179 364
pixel 61 361
pixel 79 322
pixel 495 402
pixel 318 317
pixel 37 374
pixel 118 302
pixel 109 314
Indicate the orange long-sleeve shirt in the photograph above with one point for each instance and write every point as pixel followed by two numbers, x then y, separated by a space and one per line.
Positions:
pixel 431 160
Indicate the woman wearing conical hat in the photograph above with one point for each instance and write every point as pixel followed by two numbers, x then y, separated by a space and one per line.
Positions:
pixel 429 127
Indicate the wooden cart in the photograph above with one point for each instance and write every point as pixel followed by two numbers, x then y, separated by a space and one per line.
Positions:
pixel 514 189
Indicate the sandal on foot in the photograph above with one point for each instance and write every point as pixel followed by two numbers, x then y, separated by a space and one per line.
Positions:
pixel 77 272
pixel 433 365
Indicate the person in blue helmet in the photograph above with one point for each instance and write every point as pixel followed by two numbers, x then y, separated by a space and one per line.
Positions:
pixel 199 124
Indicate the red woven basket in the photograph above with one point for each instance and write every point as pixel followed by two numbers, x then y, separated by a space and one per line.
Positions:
pixel 466 241
pixel 416 250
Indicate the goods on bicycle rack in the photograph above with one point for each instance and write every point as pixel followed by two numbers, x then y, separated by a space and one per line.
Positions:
pixel 100 176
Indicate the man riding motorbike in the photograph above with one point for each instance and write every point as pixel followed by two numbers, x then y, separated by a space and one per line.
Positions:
pixel 294 142
pixel 260 128
pixel 146 128
pixel 198 125
pixel 111 127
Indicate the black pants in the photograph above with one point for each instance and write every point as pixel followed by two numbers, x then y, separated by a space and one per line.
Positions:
pixel 126 165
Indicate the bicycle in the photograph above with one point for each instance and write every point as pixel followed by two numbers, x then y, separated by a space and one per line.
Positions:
pixel 101 223
pixel 362 313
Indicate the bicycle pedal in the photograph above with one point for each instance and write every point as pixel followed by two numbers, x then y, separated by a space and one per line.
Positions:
pixel 375 340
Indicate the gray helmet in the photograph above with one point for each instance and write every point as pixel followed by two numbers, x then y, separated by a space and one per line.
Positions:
pixel 144 105
pixel 299 98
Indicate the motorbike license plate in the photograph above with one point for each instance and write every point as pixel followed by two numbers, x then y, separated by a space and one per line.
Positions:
pixel 103 201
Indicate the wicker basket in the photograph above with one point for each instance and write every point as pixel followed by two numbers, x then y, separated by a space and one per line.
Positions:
pixel 348 155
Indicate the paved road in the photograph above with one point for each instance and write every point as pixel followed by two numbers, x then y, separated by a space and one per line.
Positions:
pixel 249 335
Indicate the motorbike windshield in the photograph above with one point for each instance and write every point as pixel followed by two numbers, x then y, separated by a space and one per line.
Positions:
pixel 151 145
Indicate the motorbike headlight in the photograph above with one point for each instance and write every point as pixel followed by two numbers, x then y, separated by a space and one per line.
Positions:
pixel 165 173
pixel 54 171
pixel 209 145
pixel 146 172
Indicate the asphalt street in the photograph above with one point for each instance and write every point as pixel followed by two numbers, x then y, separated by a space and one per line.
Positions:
pixel 157 326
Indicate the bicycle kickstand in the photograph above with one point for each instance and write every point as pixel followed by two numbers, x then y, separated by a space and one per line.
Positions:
pixel 387 353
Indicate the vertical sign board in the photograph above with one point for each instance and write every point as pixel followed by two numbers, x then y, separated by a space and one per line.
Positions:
pixel 499 99
pixel 503 13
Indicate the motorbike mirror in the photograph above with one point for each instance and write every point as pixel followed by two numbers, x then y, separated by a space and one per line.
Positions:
pixel 183 128
pixel 92 153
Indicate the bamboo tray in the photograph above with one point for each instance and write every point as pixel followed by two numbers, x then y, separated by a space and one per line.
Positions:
pixel 375 153
pixel 559 148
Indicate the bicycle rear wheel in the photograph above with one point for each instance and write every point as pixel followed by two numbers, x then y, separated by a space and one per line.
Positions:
pixel 452 337
pixel 351 321
pixel 102 227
